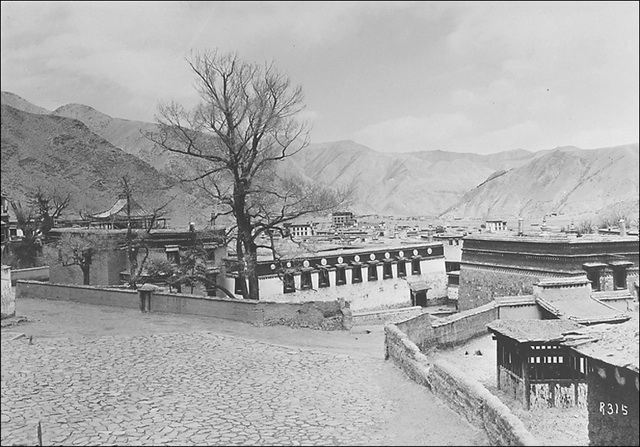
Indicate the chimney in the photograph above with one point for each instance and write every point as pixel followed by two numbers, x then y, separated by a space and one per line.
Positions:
pixel 520 226
pixel 622 226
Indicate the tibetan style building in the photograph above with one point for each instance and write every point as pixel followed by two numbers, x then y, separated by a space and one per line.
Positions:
pixel 499 265
pixel 371 277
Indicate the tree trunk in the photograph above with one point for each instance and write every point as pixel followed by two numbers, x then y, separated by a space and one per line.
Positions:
pixel 251 258
pixel 133 267
pixel 85 275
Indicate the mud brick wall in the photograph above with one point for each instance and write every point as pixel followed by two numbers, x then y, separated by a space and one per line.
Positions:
pixel 419 331
pixel 386 316
pixel 79 294
pixel 512 385
pixel 325 315
pixel 315 315
pixel 458 328
pixel 481 286
pixel 612 407
pixel 35 273
pixel 428 332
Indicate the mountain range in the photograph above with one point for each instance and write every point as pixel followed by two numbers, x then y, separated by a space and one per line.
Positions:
pixel 89 150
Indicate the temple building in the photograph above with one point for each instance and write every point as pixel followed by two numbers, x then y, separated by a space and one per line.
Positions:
pixel 373 277
pixel 499 265
pixel 118 216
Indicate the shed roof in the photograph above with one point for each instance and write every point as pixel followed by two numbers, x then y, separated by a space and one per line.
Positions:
pixel 587 311
pixel 418 286
pixel 531 331
pixel 615 344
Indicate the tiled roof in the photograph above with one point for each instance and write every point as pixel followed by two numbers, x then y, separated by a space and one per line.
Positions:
pixel 118 210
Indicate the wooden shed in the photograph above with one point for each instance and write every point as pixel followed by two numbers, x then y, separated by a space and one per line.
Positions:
pixel 534 367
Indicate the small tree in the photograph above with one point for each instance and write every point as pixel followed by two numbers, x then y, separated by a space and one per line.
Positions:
pixel 585 227
pixel 79 249
pixel 25 252
pixel 238 135
pixel 48 207
pixel 136 240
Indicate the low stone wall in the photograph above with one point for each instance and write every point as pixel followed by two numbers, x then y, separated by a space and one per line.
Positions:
pixel 35 274
pixel 385 316
pixel 78 294
pixel 466 396
pixel 428 332
pixel 225 308
pixel 333 315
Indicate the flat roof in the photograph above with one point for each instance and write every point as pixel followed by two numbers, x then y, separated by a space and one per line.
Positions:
pixel 615 344
pixel 553 238
pixel 586 311
pixel 532 331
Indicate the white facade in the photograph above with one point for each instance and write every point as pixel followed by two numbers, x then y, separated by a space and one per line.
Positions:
pixel 382 284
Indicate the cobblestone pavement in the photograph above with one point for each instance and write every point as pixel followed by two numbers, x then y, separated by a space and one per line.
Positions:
pixel 202 388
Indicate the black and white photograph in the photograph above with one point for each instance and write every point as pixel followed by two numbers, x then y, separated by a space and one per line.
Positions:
pixel 273 223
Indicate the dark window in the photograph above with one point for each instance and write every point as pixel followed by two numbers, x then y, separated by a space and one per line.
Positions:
pixel 356 274
pixel 593 275
pixel 387 271
pixel 323 278
pixel 305 280
pixel 373 272
pixel 402 269
pixel 341 276
pixel 619 278
pixel 454 280
pixel 415 266
pixel 173 257
pixel 289 284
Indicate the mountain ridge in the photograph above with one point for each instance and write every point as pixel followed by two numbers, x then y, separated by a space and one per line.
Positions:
pixel 434 183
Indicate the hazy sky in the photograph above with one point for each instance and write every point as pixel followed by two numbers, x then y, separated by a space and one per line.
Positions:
pixel 397 77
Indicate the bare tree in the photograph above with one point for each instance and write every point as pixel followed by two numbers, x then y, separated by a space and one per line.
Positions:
pixel 136 240
pixel 79 249
pixel 48 206
pixel 244 126
pixel 24 252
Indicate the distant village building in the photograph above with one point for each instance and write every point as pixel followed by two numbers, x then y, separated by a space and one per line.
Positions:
pixel 342 219
pixel 369 278
pixel 496 225
pixel 498 265
pixel 300 230
pixel 611 352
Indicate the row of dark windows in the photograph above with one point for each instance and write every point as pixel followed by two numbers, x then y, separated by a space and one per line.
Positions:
pixel 341 275
pixel 619 278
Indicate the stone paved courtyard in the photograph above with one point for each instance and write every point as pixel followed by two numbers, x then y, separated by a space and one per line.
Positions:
pixel 196 387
